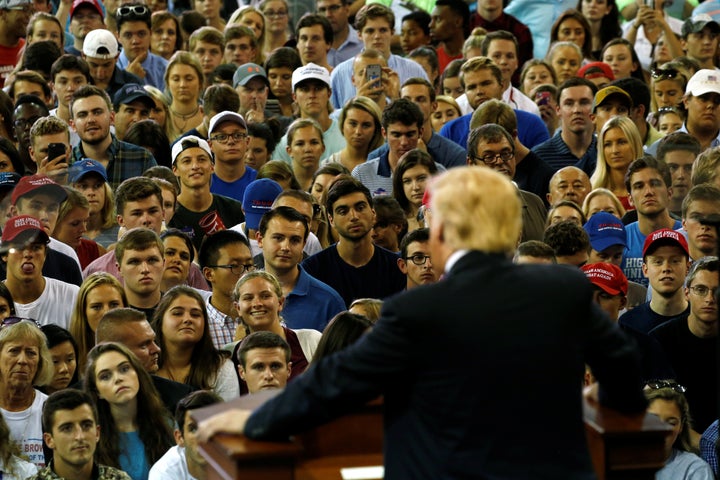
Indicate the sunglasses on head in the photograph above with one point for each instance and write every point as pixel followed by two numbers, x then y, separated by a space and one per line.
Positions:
pixel 664 73
pixel 132 10
pixel 13 320
pixel 658 384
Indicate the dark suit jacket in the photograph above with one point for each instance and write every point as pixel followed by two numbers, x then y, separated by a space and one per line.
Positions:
pixel 481 373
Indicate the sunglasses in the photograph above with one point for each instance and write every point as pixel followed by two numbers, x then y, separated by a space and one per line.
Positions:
pixel 658 384
pixel 12 320
pixel 132 10
pixel 664 73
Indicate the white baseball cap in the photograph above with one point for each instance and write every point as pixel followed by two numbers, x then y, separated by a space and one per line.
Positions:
pixel 704 81
pixel 100 43
pixel 310 71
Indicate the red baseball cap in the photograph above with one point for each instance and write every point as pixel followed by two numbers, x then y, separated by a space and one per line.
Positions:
pixel 33 183
pixel 90 3
pixel 607 276
pixel 29 227
pixel 662 237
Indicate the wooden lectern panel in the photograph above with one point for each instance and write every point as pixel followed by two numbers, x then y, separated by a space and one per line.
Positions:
pixel 621 446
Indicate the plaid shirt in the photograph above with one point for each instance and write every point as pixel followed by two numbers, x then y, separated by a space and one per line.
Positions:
pixel 222 327
pixel 126 160
pixel 99 472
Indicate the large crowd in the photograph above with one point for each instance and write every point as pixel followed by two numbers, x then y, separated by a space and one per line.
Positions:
pixel 199 200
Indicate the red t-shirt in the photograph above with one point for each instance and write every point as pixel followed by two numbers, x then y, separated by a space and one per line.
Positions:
pixel 9 57
pixel 444 58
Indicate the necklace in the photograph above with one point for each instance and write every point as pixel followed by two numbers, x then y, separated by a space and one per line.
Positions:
pixel 183 117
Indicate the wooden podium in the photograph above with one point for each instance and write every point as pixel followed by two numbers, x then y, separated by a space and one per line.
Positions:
pixel 622 446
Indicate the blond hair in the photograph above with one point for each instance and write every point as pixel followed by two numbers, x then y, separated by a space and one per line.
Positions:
pixel 488 215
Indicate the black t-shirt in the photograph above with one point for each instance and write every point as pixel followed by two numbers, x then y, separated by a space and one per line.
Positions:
pixel 379 278
pixel 695 362
pixel 223 214
pixel 643 319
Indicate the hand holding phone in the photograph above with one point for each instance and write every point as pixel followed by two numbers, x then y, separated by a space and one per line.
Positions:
pixel 374 72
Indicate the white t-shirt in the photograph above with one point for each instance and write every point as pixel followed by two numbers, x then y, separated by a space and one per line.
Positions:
pixel 226 383
pixel 171 466
pixel 26 430
pixel 54 305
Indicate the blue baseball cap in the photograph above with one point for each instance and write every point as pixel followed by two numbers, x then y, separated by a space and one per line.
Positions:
pixel 8 180
pixel 605 230
pixel 130 92
pixel 82 167
pixel 258 199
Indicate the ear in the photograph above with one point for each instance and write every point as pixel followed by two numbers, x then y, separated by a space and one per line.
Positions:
pixel 549 198
pixel 645 269
pixel 120 220
pixel 623 301
pixel 49 440
pixel 288 149
pixel 31 150
pixel 13 211
pixel 259 238
pixel 294 97
pixel 241 372
pixel 687 293
pixel 384 133
pixel 208 273
pixel 402 265
pixel 289 369
pixel 179 437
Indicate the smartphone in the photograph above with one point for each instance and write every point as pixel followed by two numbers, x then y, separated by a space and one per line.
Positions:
pixel 55 150
pixel 373 72
pixel 542 98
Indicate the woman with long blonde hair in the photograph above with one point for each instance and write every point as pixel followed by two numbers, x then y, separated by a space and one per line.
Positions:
pixel 619 144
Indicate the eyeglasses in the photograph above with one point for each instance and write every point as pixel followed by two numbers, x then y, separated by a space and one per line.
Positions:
pixel 132 10
pixel 331 9
pixel 10 321
pixel 664 73
pixel 273 13
pixel 491 158
pixel 658 384
pixel 702 290
pixel 224 137
pixel 236 269
pixel 418 259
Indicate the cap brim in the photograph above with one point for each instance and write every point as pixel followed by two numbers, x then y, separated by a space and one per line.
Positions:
pixel 27 236
pixel 604 243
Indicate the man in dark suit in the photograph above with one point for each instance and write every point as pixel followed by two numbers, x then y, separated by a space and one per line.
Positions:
pixel 478 381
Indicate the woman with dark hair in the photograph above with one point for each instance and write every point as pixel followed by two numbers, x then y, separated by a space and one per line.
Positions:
pixel 7 304
pixel 415 31
pixel 572 26
pixel 666 401
pixel 131 415
pixel 450 80
pixel 166 37
pixel 261 144
pixel 9 157
pixel 280 66
pixel 187 353
pixel 410 180
pixel 427 58
pixel 604 21
pixel 64 353
pixel 343 330
pixel 321 181
pixel 623 60
pixel 151 136
pixel 179 254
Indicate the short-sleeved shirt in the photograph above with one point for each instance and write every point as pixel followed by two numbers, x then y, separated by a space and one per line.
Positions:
pixel 643 318
pixel 379 278
pixel 332 138
pixel 235 189
pixel 556 153
pixel 227 210
pixel 311 304
pixel 154 66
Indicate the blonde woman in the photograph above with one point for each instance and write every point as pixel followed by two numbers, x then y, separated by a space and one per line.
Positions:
pixel 161 113
pixel 185 81
pixel 619 143
pixel 602 200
